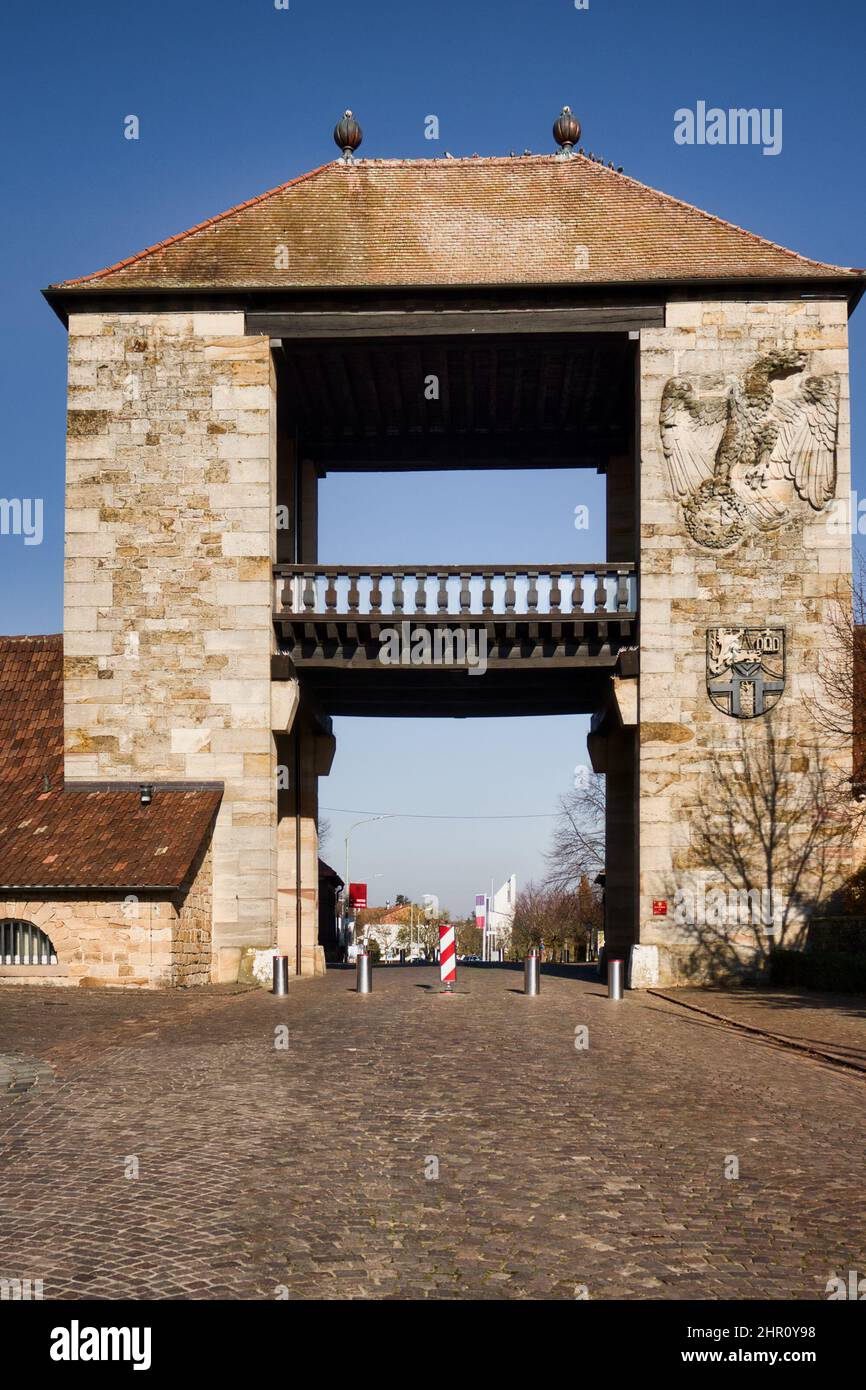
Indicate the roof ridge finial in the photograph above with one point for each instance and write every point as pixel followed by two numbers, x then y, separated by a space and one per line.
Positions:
pixel 348 136
pixel 566 132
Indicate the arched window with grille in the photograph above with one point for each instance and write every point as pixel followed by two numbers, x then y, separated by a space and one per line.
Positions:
pixel 23 943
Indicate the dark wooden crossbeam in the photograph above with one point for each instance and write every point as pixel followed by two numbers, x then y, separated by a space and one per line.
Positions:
pixel 386 323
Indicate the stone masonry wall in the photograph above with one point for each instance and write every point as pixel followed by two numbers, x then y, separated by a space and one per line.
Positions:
pixel 99 941
pixel 191 942
pixel 787 578
pixel 169 547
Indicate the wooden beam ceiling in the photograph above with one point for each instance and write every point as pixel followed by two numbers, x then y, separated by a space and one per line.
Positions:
pixel 543 401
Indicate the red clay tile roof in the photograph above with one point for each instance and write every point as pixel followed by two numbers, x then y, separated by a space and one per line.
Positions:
pixel 31 711
pixel 438 222
pixel 102 839
pixel 76 838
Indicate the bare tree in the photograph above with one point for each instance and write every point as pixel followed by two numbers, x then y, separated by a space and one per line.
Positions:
pixel 841 714
pixel 841 706
pixel 577 849
pixel 770 833
pixel 560 919
pixel 527 925
pixel 590 912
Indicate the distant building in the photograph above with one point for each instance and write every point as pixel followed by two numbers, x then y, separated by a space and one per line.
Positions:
pixel 392 928
pixel 385 933
pixel 495 916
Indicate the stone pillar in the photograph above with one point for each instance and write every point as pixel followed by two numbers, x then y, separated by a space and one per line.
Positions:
pixel 305 758
pixel 612 746
pixel 168 597
pixel 725 549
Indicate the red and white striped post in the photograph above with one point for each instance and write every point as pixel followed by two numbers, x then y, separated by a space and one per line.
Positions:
pixel 447 955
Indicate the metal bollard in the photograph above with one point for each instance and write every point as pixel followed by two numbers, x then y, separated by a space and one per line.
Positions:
pixel 531 974
pixel 614 979
pixel 364 977
pixel 281 975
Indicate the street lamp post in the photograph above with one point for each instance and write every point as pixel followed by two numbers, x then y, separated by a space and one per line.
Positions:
pixel 368 821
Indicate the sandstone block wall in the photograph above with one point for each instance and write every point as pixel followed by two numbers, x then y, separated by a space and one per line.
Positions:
pixel 191 937
pixel 169 547
pixel 786 578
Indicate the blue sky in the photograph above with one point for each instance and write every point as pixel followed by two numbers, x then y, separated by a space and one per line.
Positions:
pixel 235 96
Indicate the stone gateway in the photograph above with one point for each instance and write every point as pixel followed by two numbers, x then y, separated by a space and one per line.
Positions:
pixel 158 816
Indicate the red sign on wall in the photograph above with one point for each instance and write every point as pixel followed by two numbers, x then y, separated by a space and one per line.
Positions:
pixel 358 894
pixel 660 907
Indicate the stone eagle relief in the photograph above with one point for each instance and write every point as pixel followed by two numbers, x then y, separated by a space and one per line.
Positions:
pixel 744 454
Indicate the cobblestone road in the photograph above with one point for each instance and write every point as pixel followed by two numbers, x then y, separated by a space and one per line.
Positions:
pixel 305 1169
pixel 829 1024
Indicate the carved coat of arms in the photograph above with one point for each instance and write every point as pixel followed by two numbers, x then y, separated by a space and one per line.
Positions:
pixel 745 669
pixel 746 452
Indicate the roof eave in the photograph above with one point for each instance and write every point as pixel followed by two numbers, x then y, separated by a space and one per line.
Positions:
pixel 101 888
pixel 847 281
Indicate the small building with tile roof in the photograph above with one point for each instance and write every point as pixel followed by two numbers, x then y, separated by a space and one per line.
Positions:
pixel 119 886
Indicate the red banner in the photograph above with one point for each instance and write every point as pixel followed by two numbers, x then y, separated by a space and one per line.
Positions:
pixel 358 895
